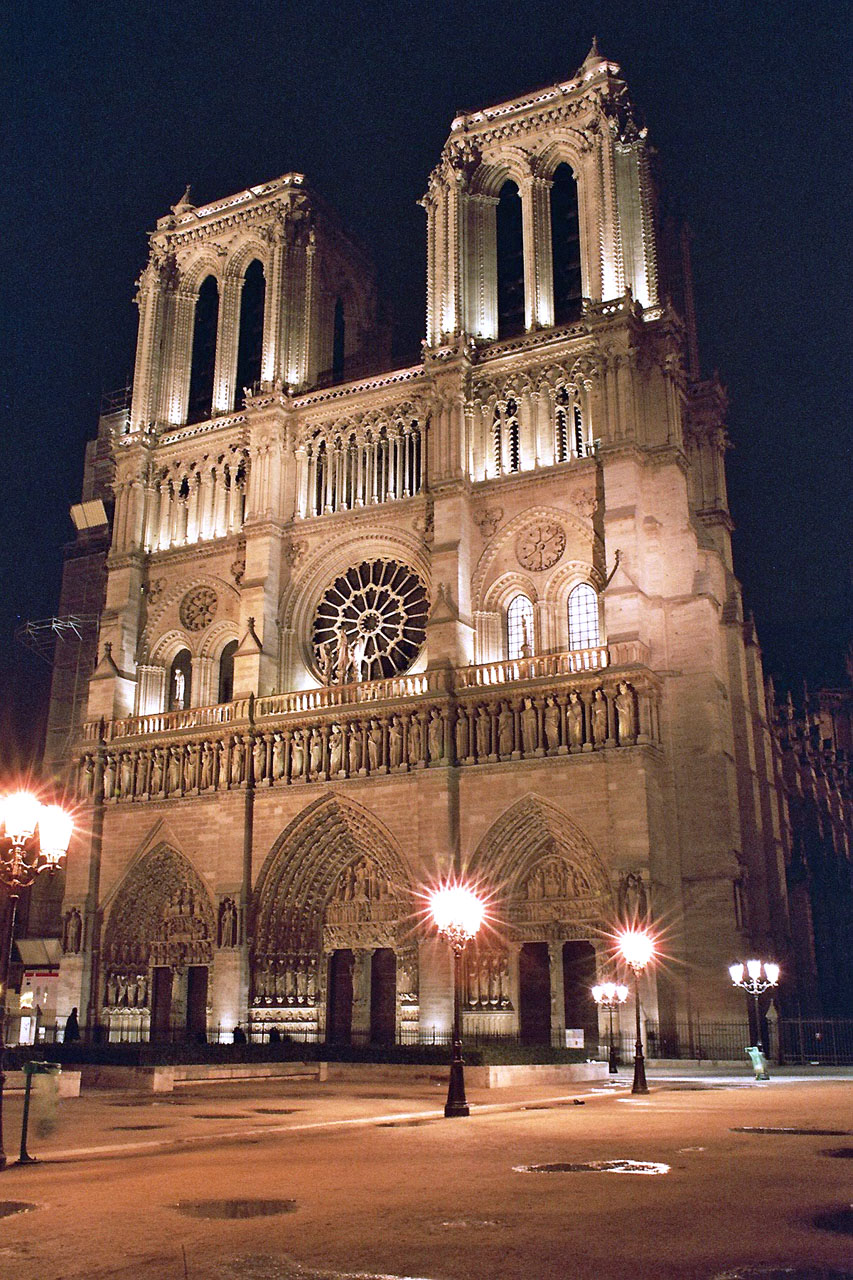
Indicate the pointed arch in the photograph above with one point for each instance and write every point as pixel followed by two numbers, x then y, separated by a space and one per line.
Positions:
pixel 305 865
pixel 160 885
pixel 533 831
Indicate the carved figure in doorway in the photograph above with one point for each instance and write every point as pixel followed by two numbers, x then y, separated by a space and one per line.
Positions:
pixel 180 690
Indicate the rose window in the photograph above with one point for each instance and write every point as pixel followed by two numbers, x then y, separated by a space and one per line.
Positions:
pixel 198 608
pixel 382 608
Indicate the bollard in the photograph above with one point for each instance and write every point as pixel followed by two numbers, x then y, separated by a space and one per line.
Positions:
pixel 32 1069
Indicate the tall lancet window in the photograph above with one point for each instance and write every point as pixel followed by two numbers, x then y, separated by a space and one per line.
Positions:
pixel 519 628
pixel 584 629
pixel 339 334
pixel 251 342
pixel 204 351
pixel 226 672
pixel 561 426
pixel 565 241
pixel 510 262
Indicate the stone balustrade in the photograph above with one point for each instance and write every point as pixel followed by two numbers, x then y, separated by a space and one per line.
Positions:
pixel 413 724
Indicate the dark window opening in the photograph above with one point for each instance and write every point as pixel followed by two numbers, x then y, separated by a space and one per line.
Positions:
pixel 204 352
pixel 565 245
pixel 250 345
pixel 180 681
pixel 226 672
pixel 510 262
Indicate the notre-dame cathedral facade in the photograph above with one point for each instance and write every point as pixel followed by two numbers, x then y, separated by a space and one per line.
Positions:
pixel 360 630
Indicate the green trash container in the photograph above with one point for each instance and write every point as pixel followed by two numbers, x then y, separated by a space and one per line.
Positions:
pixel 758 1060
pixel 49 1071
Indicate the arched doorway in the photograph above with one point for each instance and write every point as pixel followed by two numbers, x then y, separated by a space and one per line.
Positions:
pixel 333 956
pixel 157 950
pixel 534 993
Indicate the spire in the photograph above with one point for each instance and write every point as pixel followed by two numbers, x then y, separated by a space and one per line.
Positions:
pixel 184 204
pixel 592 61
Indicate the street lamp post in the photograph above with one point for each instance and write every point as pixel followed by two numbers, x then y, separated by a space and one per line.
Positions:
pixel 610 996
pixel 34 837
pixel 637 948
pixel 457 913
pixel 749 978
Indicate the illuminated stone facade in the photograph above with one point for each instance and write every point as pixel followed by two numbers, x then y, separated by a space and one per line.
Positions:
pixel 477 613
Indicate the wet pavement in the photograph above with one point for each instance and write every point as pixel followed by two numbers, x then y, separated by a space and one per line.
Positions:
pixel 296 1180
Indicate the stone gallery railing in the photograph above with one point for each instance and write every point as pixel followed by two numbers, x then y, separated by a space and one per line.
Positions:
pixel 421 721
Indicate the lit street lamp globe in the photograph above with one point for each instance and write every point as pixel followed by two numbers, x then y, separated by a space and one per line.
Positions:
pixel 457 912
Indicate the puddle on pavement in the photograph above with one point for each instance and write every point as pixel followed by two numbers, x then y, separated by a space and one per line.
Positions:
pixel 275 1111
pixel 837 1220
pixel 805 1133
pixel 648 1167
pixel 234 1208
pixel 221 1115
pixel 783 1273
pixel 839 1153
pixel 8 1207
pixel 135 1128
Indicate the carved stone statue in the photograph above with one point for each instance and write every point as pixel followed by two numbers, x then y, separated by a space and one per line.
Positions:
pixel 415 740
pixel 327 662
pixel 574 718
pixel 278 757
pixel 297 756
pixel 222 771
pixel 598 714
pixel 175 769
pixel 336 750
pixel 180 690
pixel 156 783
pixel 525 649
pixel 484 732
pixel 126 785
pixel 395 742
pixel 358 661
pixel 109 778
pixel 207 763
pixel 625 714
pixel 72 932
pixel 632 898
pixel 236 761
pixel 87 778
pixel 342 657
pixel 552 724
pixel 259 759
pixel 228 923
pixel 461 735
pixel 354 747
pixel 374 745
pixel 435 734
pixel 529 727
pixel 316 753
pixel 506 730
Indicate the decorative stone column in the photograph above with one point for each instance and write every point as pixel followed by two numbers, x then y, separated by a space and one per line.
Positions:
pixel 558 995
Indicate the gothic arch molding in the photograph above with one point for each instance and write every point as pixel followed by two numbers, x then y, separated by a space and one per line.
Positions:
pixel 306 863
pixel 495 548
pixel 519 850
pixel 160 887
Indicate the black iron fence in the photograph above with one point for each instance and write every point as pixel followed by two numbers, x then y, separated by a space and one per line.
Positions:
pixel 791 1041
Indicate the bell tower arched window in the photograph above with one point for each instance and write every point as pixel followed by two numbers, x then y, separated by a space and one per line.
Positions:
pixel 226 672
pixel 180 680
pixel 584 628
pixel 251 341
pixel 519 628
pixel 565 246
pixel 561 426
pixel 200 405
pixel 510 262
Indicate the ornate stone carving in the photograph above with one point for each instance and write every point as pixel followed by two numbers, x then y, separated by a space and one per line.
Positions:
pixel 554 877
pixel 198 608
pixel 374 616
pixel 488 521
pixel 540 546
pixel 72 932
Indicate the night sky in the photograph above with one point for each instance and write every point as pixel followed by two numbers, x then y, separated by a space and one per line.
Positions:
pixel 112 108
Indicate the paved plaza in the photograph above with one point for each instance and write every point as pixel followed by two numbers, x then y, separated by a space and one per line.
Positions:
pixel 332 1181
